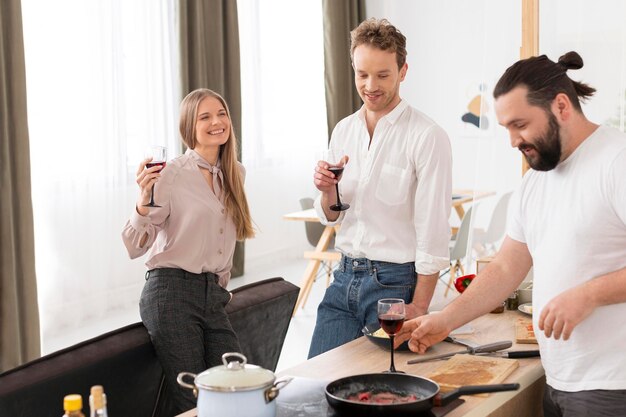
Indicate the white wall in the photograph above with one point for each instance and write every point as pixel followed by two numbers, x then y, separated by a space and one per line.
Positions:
pixel 597 32
pixel 275 190
pixel 453 47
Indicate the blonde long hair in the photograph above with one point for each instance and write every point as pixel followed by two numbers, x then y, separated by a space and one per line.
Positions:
pixel 234 195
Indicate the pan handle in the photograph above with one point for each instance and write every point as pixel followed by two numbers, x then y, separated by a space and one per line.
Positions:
pixel 448 397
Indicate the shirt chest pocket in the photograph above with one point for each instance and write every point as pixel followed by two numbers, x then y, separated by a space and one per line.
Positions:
pixel 392 187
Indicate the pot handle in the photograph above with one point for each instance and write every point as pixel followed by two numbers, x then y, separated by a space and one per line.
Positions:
pixel 272 392
pixel 182 383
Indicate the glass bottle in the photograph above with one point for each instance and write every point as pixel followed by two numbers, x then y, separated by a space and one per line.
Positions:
pixel 73 406
pixel 98 402
pixel 513 301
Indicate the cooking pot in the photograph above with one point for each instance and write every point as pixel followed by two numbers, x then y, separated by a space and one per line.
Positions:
pixel 426 394
pixel 235 389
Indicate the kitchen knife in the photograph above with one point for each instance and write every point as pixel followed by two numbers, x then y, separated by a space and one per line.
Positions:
pixel 463 342
pixel 491 347
pixel 513 354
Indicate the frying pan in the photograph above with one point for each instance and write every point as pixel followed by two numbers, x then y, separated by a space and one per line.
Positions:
pixel 427 392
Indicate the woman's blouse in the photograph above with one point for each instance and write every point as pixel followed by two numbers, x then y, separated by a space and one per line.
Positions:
pixel 191 230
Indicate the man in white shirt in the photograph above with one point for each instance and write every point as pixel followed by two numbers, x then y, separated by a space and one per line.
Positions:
pixel 568 221
pixel 394 237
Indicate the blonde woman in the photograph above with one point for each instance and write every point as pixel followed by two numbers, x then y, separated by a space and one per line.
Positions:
pixel 190 241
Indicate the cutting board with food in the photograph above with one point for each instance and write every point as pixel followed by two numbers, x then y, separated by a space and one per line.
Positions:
pixel 524 332
pixel 472 370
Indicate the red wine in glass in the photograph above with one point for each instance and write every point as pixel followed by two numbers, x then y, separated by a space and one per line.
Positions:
pixel 391 317
pixel 335 160
pixel 154 164
pixel 339 206
pixel 337 171
pixel 159 157
pixel 391 323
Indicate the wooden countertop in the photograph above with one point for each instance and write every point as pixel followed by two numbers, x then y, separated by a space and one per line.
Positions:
pixel 361 356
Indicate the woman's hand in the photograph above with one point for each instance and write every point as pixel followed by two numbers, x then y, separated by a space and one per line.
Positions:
pixel 146 178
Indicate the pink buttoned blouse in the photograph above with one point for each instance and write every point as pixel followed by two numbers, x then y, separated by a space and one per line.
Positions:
pixel 191 230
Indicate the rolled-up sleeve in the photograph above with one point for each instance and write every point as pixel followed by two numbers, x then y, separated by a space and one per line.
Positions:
pixel 433 201
pixel 317 204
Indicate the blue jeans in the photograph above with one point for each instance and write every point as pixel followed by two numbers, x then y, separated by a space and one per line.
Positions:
pixel 350 301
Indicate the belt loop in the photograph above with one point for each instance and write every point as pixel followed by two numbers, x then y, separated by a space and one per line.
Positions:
pixel 342 263
pixel 370 266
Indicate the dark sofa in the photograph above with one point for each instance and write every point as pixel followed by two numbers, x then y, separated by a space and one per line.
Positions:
pixel 124 362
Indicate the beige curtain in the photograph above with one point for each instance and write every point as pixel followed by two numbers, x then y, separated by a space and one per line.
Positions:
pixel 210 59
pixel 19 315
pixel 340 17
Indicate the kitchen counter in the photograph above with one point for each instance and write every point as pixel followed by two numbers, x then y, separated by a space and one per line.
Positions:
pixel 361 356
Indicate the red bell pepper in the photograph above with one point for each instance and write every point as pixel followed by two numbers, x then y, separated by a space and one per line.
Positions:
pixel 461 283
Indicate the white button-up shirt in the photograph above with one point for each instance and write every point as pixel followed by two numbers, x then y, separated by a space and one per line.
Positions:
pixel 399 189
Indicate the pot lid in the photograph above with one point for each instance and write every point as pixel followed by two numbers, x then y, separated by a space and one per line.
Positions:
pixel 234 375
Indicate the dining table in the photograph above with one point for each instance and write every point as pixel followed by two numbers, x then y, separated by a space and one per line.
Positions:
pixel 361 356
pixel 320 254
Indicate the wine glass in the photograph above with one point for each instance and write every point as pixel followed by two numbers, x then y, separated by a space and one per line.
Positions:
pixel 391 318
pixel 159 158
pixel 333 157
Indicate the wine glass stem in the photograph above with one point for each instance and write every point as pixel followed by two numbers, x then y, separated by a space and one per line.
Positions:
pixel 152 196
pixel 392 368
pixel 338 199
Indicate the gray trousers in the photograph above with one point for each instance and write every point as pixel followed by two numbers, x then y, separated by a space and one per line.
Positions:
pixel 593 403
pixel 189 328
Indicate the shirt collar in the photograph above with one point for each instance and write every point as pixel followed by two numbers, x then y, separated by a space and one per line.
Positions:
pixel 394 114
pixel 201 161
pixel 391 117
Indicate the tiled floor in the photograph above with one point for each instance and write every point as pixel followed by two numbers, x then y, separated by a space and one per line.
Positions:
pixel 296 344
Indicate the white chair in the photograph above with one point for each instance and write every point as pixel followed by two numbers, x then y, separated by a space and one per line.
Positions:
pixel 459 247
pixel 488 239
pixel 313 233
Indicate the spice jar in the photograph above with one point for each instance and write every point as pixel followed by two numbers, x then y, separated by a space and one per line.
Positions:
pixel 513 301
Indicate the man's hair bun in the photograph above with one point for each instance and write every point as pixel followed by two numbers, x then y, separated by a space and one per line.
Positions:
pixel 571 60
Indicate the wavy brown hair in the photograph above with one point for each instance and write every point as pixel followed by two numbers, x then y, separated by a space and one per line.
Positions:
pixel 380 34
pixel 235 199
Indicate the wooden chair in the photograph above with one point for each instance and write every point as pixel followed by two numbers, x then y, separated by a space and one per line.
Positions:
pixel 313 233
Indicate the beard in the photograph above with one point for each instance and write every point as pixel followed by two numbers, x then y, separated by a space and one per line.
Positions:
pixel 547 148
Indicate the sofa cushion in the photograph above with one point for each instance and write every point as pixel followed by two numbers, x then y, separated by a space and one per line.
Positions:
pixel 122 361
pixel 260 314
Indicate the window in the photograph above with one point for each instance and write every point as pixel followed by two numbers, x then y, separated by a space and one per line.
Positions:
pixel 102 85
pixel 284 107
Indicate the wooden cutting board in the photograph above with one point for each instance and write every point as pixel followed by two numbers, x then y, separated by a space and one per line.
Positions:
pixel 472 370
pixel 524 332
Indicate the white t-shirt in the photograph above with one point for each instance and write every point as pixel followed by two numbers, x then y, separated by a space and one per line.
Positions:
pixel 399 190
pixel 573 220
